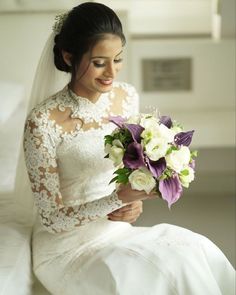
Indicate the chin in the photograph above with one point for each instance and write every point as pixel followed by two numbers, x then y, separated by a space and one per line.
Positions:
pixel 105 89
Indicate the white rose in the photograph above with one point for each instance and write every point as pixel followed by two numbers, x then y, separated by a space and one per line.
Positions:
pixel 149 122
pixel 179 159
pixel 115 142
pixel 116 155
pixel 118 143
pixel 142 179
pixel 189 177
pixel 115 151
pixel 165 133
pixel 107 148
pixel 147 135
pixel 156 148
pixel 158 131
pixel 134 119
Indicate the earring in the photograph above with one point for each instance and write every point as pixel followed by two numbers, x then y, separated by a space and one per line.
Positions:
pixel 68 63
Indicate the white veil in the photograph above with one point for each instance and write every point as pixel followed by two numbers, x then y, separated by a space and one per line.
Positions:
pixel 47 81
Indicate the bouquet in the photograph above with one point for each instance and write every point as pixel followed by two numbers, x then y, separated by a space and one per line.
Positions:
pixel 151 153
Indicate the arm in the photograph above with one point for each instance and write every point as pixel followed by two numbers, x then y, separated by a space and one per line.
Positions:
pixel 41 163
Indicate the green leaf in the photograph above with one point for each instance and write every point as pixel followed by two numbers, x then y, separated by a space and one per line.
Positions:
pixel 168 173
pixel 124 136
pixel 172 148
pixel 113 179
pixel 122 179
pixel 122 171
pixel 169 151
pixel 108 139
pixel 184 172
pixel 194 153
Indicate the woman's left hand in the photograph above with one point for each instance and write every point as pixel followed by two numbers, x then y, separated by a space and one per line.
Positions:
pixel 128 213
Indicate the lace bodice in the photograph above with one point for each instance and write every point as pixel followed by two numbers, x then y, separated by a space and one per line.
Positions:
pixel 65 157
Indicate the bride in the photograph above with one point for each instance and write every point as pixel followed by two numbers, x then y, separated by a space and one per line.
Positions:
pixel 83 240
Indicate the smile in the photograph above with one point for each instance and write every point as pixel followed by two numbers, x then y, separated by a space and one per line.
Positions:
pixel 105 82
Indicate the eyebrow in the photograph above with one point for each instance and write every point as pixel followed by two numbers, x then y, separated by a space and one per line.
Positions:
pixel 106 57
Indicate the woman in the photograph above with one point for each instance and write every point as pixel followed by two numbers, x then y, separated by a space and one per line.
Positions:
pixel 81 244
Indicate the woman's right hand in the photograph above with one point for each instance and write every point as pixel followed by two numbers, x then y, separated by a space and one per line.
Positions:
pixel 127 195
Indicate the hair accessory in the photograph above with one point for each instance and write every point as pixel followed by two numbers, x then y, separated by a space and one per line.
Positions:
pixel 59 21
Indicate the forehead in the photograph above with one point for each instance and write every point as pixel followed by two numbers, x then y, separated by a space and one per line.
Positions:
pixel 109 46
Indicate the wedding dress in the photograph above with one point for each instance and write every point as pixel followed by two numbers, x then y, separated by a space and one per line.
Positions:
pixel 76 249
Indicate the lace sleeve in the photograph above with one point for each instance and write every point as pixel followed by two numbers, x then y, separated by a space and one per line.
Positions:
pixel 41 163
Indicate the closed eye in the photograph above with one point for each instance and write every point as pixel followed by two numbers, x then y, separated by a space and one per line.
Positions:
pixel 101 65
pixel 118 60
pixel 98 65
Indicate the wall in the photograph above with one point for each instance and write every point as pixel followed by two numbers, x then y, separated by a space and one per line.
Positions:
pixel 211 100
pixel 23 36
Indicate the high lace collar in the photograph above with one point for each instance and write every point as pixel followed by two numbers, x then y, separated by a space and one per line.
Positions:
pixel 81 98
pixel 89 111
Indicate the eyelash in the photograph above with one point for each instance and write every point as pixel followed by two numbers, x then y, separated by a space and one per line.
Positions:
pixel 98 65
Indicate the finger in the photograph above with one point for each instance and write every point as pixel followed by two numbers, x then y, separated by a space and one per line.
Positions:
pixel 135 209
pixel 126 214
pixel 125 208
pixel 129 207
pixel 125 219
pixel 137 206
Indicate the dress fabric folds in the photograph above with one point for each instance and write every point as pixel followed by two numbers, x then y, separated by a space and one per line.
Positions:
pixel 76 249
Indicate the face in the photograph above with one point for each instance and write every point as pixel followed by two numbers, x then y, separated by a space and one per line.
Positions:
pixel 99 68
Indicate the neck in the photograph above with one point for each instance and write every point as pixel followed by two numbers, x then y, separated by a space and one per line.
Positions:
pixel 79 90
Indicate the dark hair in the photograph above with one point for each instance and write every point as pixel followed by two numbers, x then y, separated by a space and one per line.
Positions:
pixel 85 25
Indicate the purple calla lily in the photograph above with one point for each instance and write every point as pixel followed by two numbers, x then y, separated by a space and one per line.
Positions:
pixel 156 167
pixel 135 131
pixel 166 120
pixel 133 157
pixel 118 120
pixel 171 189
pixel 183 138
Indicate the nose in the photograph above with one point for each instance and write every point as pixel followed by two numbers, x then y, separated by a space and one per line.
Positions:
pixel 110 71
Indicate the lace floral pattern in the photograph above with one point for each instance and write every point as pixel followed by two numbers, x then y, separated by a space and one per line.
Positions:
pixel 42 139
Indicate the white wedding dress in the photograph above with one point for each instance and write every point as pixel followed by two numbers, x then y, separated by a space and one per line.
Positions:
pixel 76 249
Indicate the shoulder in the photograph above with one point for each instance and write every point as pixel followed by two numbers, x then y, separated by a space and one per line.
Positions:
pixel 47 109
pixel 125 89
pixel 128 96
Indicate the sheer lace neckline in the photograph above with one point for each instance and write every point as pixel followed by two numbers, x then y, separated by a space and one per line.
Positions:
pixel 89 111
pixel 83 99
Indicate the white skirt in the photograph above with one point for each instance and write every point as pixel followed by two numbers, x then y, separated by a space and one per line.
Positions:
pixel 126 260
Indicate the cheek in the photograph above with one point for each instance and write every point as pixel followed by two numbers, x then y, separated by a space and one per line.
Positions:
pixel 90 75
pixel 93 72
pixel 119 67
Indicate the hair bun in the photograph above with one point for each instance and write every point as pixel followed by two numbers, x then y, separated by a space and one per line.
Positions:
pixel 59 60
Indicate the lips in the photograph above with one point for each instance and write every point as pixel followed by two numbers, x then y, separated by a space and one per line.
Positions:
pixel 105 82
